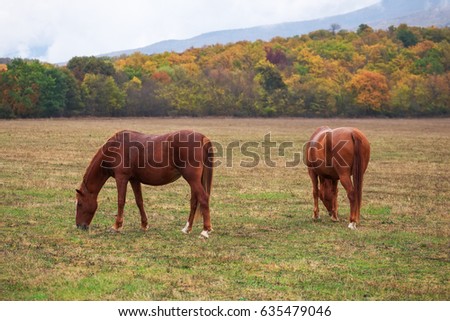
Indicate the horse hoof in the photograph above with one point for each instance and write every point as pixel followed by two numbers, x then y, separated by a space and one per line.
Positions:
pixel 185 229
pixel 144 228
pixel 204 234
pixel 316 219
pixel 334 219
pixel 352 226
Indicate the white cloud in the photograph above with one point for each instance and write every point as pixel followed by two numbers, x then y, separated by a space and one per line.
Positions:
pixel 58 30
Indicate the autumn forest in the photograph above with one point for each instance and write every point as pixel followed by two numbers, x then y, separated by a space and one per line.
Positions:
pixel 399 72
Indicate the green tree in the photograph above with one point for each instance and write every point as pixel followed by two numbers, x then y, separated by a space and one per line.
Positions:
pixel 20 87
pixel 430 63
pixel 187 96
pixel 32 89
pixel 320 97
pixel 364 29
pixel 335 27
pixel 80 66
pixel 52 93
pixel 406 36
pixel 101 95
pixel 269 77
pixel 73 102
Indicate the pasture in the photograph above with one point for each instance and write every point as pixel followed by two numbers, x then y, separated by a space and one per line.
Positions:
pixel 265 245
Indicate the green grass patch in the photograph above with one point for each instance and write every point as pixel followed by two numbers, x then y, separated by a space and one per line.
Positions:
pixel 265 245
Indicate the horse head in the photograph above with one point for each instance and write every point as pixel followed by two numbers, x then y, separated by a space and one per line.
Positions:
pixel 327 194
pixel 86 205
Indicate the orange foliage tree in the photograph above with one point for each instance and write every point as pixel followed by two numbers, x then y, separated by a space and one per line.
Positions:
pixel 370 90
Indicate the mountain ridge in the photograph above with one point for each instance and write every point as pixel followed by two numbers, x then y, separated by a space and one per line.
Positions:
pixel 380 15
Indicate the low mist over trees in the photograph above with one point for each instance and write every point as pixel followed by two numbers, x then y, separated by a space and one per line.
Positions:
pixel 403 71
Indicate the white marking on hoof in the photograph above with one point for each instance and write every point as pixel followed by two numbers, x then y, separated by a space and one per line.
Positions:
pixel 352 226
pixel 185 229
pixel 204 234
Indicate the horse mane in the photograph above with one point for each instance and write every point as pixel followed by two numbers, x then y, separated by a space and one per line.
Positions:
pixel 94 165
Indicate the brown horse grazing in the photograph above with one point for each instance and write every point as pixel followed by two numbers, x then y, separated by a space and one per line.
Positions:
pixel 337 154
pixel 137 158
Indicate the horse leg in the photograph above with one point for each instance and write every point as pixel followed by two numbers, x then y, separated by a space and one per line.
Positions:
pixel 136 185
pixel 202 205
pixel 121 184
pixel 203 202
pixel 315 182
pixel 199 202
pixel 348 185
pixel 334 211
pixel 188 227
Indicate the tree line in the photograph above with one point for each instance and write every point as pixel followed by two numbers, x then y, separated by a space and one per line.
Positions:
pixel 398 72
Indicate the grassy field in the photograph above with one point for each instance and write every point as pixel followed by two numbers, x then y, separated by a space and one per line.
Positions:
pixel 265 245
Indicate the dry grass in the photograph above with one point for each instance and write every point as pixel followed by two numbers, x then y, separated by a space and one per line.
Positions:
pixel 265 245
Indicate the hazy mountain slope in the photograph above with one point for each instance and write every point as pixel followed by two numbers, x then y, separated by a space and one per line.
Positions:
pixel 381 15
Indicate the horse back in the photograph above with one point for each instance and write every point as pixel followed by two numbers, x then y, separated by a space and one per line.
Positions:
pixel 331 152
pixel 153 159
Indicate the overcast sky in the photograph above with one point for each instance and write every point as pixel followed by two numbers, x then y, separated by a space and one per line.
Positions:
pixel 59 30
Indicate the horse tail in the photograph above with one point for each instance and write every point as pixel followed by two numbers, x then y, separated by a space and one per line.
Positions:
pixel 207 174
pixel 328 149
pixel 357 169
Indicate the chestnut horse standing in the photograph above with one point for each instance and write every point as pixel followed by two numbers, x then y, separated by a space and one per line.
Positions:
pixel 137 158
pixel 333 155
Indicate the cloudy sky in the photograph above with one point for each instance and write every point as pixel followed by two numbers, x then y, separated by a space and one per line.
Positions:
pixel 57 30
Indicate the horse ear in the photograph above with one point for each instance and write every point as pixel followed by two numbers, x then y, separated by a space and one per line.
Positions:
pixel 79 192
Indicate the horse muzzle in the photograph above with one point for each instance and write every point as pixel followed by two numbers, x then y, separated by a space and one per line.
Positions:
pixel 84 227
